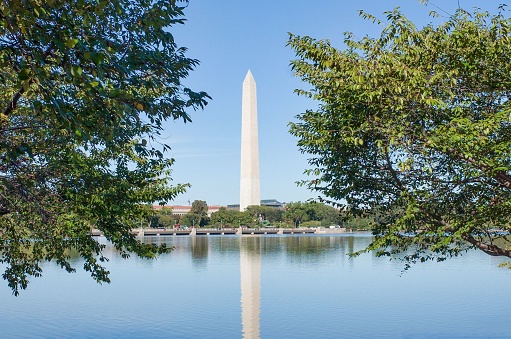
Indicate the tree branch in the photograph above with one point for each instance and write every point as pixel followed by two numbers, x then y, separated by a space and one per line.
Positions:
pixel 399 184
pixel 12 105
pixel 490 249
pixel 4 130
pixel 502 177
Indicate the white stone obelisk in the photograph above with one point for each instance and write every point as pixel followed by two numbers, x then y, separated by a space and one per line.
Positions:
pixel 249 178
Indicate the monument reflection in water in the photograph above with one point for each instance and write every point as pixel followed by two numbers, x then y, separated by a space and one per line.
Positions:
pixel 250 270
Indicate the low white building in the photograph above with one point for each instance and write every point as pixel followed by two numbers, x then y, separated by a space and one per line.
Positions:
pixel 182 210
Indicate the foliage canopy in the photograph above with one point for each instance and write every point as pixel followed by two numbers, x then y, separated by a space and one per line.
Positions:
pixel 415 123
pixel 198 215
pixel 85 87
pixel 232 218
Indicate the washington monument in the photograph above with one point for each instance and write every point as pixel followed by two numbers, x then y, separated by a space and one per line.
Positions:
pixel 249 178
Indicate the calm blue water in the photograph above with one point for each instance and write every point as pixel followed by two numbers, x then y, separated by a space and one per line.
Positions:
pixel 293 287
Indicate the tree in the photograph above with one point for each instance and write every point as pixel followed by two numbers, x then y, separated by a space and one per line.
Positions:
pixel 226 218
pixel 198 215
pixel 325 214
pixel 296 213
pixel 85 87
pixel 264 213
pixel 232 218
pixel 416 123
pixel 312 213
pixel 164 218
pixel 273 215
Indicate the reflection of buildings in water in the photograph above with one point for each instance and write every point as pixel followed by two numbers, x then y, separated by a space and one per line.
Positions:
pixel 250 269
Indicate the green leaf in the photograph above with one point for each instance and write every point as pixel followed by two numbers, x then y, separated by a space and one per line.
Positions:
pixel 24 74
pixel 97 58
pixel 76 71
pixel 70 43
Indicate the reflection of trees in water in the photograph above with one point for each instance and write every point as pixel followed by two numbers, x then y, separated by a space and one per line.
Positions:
pixel 272 245
pixel 225 245
pixel 251 244
pixel 154 240
pixel 315 246
pixel 298 248
pixel 295 248
pixel 74 257
pixel 199 247
pixel 351 242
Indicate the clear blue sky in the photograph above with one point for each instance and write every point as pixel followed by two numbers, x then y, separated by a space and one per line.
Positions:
pixel 231 37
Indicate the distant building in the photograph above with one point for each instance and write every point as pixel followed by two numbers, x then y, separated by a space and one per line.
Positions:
pixel 182 210
pixel 273 203
pixel 267 202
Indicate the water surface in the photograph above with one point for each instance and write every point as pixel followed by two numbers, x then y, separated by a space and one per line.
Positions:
pixel 269 287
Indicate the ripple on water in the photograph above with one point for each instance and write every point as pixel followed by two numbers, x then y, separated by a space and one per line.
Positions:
pixel 308 288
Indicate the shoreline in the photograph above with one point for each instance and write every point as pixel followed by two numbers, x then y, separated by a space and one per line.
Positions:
pixel 148 232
